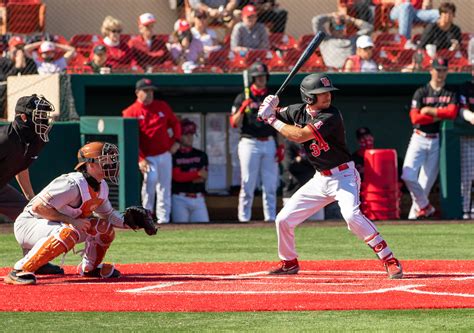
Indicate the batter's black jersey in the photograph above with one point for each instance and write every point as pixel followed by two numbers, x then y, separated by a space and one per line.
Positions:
pixel 328 148
pixel 194 160
pixel 252 127
pixel 427 96
pixel 466 96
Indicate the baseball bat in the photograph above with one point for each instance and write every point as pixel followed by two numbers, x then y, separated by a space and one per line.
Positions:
pixel 317 39
pixel 245 75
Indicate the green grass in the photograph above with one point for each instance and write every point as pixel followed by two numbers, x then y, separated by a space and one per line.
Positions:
pixel 245 243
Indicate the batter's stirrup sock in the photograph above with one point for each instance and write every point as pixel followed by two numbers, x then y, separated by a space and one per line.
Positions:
pixel 380 247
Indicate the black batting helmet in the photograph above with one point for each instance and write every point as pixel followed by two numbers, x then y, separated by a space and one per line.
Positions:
pixel 258 69
pixel 313 85
pixel 188 126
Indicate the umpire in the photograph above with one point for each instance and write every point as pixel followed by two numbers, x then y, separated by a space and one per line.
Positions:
pixel 20 144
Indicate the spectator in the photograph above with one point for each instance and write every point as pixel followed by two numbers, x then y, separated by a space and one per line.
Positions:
pixel 364 10
pixel 99 60
pixel 338 46
pixel 186 51
pixel 444 33
pixel 270 14
pixel 219 11
pixel 365 140
pixel 430 105
pixel 407 12
pixel 297 171
pixel 147 49
pixel 20 144
pixel 202 32
pixel 119 53
pixel 362 61
pixel 189 179
pixel 156 145
pixel 249 34
pixel 14 62
pixel 257 147
pixel 47 60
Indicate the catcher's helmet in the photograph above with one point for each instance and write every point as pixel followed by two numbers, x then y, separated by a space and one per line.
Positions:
pixel 103 153
pixel 40 110
pixel 258 69
pixel 313 85
pixel 188 126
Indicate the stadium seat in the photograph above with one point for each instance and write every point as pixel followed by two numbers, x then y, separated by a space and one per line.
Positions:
pixel 304 40
pixel 25 18
pixel 258 55
pixel 219 58
pixel 208 69
pixel 167 67
pixel 79 70
pixel 390 39
pixel 282 41
pixel 83 42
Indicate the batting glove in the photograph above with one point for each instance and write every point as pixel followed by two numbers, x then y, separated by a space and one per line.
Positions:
pixel 265 111
pixel 272 100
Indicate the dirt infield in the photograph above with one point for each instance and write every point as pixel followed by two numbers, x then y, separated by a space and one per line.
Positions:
pixel 245 286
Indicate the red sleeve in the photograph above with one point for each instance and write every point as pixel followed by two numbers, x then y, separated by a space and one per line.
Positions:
pixel 420 119
pixel 231 121
pixel 184 177
pixel 448 112
pixel 173 122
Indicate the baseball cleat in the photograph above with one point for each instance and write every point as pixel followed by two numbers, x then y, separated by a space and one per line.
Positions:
pixel 49 269
pixel 426 212
pixel 393 268
pixel 104 270
pixel 20 277
pixel 286 267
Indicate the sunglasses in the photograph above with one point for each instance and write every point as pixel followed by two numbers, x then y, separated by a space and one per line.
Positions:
pixel 116 31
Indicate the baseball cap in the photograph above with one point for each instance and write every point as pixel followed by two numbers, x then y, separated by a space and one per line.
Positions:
pixel 46 47
pixel 147 18
pixel 100 49
pixel 249 10
pixel 27 104
pixel 144 84
pixel 361 131
pixel 364 41
pixel 440 63
pixel 15 41
pixel 182 25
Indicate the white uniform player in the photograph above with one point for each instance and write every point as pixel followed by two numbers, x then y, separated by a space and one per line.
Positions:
pixel 257 148
pixel 319 127
pixel 430 104
pixel 73 208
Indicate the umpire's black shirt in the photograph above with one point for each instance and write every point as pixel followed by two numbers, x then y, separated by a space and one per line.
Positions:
pixel 19 147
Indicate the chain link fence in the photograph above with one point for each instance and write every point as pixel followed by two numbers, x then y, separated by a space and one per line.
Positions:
pixel 218 36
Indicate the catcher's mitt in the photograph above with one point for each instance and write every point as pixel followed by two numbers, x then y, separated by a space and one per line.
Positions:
pixel 137 217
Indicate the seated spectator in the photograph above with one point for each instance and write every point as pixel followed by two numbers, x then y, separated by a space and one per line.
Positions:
pixel 99 60
pixel 444 33
pixel 147 50
pixel 219 11
pixel 186 51
pixel 362 61
pixel 189 179
pixel 46 56
pixel 118 51
pixel 407 12
pixel 249 34
pixel 338 46
pixel 270 14
pixel 206 35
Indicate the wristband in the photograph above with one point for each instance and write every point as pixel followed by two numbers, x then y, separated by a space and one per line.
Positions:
pixel 277 124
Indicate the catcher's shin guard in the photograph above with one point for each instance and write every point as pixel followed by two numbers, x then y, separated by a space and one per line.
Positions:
pixel 380 247
pixel 47 249
pixel 101 235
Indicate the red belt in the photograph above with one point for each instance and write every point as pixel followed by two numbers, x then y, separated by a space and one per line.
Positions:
pixel 190 195
pixel 330 172
pixel 426 135
pixel 265 138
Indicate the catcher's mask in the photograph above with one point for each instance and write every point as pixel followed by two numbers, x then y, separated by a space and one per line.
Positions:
pixel 40 110
pixel 315 84
pixel 103 153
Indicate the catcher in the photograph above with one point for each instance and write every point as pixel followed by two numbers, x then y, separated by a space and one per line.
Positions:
pixel 75 208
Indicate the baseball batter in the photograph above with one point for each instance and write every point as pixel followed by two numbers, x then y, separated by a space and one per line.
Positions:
pixel 319 127
pixel 61 216
pixel 189 179
pixel 257 147
pixel 430 104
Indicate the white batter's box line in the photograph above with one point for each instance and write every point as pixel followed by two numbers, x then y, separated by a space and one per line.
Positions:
pixel 464 278
pixel 146 289
pixel 439 293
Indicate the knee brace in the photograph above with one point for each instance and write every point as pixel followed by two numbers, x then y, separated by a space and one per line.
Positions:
pixel 53 246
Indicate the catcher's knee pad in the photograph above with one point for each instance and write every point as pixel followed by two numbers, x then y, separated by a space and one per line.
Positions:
pixel 101 231
pixel 380 247
pixel 53 246
pixel 101 235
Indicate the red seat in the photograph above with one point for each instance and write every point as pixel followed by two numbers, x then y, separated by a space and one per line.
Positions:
pixel 219 58
pixel 258 55
pixel 315 63
pixel 79 70
pixel 390 39
pixel 282 41
pixel 84 42
pixel 167 67
pixel 25 18
pixel 208 69
pixel 304 40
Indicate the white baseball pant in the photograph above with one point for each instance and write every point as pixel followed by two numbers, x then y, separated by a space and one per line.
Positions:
pixel 186 209
pixel 319 191
pixel 157 183
pixel 420 169
pixel 257 160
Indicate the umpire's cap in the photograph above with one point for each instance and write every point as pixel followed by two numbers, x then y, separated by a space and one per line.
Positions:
pixel 316 84
pixel 27 104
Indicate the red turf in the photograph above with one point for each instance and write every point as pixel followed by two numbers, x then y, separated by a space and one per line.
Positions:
pixel 320 285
